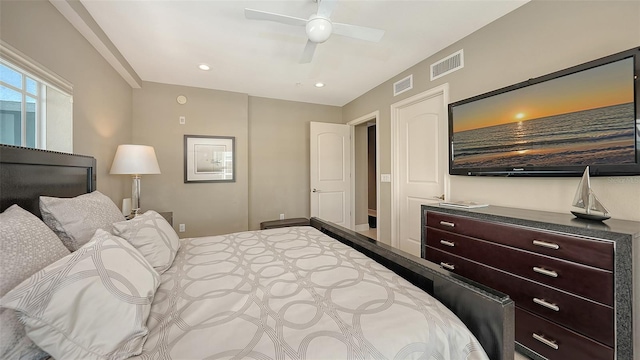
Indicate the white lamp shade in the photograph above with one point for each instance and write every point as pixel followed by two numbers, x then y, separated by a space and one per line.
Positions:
pixel 135 160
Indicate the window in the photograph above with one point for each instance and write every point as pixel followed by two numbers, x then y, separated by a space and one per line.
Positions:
pixel 33 112
pixel 21 119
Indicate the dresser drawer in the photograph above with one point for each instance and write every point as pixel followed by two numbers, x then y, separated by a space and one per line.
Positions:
pixel 572 311
pixel 535 332
pixel 590 282
pixel 582 250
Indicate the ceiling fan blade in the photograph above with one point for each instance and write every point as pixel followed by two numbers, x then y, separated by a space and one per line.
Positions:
pixel 325 7
pixel 358 32
pixel 307 54
pixel 263 15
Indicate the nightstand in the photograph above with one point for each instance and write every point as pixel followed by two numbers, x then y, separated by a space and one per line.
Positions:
pixel 284 223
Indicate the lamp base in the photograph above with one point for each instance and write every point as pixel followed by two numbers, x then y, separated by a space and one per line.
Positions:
pixel 135 196
pixel 134 213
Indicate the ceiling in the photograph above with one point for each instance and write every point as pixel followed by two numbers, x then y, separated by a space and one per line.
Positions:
pixel 165 41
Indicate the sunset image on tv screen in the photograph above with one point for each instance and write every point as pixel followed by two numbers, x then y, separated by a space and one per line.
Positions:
pixel 585 118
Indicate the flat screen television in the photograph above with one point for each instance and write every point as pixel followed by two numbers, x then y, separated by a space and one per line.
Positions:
pixel 553 125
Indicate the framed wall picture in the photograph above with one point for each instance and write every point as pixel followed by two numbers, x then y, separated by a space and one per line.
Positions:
pixel 209 158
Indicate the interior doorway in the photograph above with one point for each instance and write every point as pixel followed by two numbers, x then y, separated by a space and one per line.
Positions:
pixel 366 178
pixel 372 187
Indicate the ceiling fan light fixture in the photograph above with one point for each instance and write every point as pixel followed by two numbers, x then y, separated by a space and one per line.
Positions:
pixel 318 29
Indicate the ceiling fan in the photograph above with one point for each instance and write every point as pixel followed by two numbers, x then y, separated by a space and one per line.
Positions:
pixel 318 26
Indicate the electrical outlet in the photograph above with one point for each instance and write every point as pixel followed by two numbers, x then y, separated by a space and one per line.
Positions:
pixel 385 177
pixel 281 216
pixel 181 228
pixel 183 120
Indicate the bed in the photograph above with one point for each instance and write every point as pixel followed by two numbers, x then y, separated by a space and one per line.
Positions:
pixel 315 292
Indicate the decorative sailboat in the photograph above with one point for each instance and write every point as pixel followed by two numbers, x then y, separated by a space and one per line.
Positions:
pixel 586 199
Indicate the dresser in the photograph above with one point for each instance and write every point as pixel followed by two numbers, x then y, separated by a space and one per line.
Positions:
pixel 571 279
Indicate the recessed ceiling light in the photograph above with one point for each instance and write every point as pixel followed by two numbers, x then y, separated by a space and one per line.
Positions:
pixel 204 67
pixel 319 84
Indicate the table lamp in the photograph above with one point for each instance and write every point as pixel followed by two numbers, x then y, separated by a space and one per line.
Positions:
pixel 135 160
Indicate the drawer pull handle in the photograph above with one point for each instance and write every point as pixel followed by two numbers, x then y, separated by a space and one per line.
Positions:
pixel 544 271
pixel 547 245
pixel 448 243
pixel 550 343
pixel 447 266
pixel 546 304
pixel 446 223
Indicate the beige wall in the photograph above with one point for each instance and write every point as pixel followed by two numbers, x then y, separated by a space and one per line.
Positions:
pixel 102 99
pixel 205 208
pixel 536 39
pixel 279 156
pixel 272 156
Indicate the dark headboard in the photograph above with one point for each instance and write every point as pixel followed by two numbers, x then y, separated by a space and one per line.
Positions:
pixel 26 174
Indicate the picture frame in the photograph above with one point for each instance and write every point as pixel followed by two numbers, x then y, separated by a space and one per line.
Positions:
pixel 209 159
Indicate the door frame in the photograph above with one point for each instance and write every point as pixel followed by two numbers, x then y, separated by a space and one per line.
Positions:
pixel 395 153
pixel 353 123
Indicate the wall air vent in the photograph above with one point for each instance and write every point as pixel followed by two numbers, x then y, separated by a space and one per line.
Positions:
pixel 447 65
pixel 403 85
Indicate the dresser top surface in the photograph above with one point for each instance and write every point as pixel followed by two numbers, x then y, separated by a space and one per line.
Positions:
pixel 610 229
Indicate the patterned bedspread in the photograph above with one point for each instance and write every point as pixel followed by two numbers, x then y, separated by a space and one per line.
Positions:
pixel 295 293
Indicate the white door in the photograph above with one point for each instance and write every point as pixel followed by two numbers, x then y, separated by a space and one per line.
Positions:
pixel 330 172
pixel 420 163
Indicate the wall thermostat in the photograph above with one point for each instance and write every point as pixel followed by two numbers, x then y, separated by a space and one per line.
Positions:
pixel 181 99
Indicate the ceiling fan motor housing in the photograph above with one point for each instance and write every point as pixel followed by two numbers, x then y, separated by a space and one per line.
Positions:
pixel 318 29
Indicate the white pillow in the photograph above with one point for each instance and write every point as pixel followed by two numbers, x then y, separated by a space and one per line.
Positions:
pixel 27 245
pixel 152 235
pixel 75 220
pixel 91 304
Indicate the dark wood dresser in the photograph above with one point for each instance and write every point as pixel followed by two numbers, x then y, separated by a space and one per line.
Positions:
pixel 571 279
